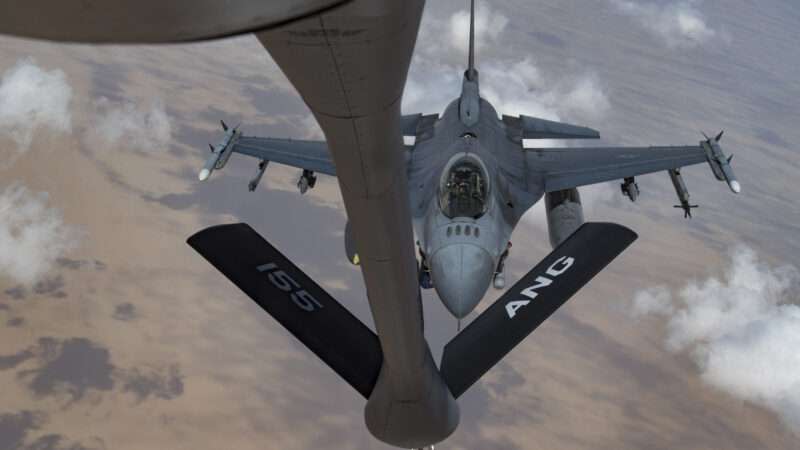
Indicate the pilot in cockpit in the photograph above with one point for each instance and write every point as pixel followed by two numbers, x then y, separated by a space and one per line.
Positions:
pixel 464 193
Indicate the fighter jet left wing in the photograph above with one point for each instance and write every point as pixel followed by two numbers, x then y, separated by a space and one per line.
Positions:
pixel 566 168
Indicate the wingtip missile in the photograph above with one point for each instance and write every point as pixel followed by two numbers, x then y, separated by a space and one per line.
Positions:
pixel 720 163
pixel 222 152
pixel 211 163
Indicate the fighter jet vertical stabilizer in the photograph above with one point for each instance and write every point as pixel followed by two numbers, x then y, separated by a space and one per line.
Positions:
pixel 469 105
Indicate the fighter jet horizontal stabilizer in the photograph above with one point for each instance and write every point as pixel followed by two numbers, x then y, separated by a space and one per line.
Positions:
pixel 278 286
pixel 527 127
pixel 485 341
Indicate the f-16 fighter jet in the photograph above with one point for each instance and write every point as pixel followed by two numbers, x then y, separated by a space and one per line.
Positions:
pixel 462 187
pixel 470 180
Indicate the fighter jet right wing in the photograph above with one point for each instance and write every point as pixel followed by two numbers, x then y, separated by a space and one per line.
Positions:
pixel 308 155
pixel 311 156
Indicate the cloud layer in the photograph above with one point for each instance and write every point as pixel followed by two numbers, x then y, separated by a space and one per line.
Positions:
pixel 134 125
pixel 513 86
pixel 33 235
pixel 742 330
pixel 676 24
pixel 489 25
pixel 32 99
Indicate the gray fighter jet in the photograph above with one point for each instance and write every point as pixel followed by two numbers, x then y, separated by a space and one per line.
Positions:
pixel 470 180
pixel 462 186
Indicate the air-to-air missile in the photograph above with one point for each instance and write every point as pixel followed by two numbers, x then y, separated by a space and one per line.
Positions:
pixel 720 164
pixel 262 167
pixel 222 152
pixel 682 192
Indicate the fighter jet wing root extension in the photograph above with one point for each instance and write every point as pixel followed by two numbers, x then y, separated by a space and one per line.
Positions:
pixel 485 341
pixel 278 286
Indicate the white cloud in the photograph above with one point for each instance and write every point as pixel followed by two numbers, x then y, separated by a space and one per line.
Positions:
pixel 488 27
pixel 32 99
pixel 134 125
pixel 311 129
pixel 655 300
pixel 513 86
pixel 743 332
pixel 585 98
pixel 32 234
pixel 678 24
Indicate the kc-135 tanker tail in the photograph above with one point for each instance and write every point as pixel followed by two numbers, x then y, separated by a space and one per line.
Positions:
pixel 353 351
pixel 278 286
pixel 510 319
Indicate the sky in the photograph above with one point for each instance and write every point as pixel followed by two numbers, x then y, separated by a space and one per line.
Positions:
pixel 115 335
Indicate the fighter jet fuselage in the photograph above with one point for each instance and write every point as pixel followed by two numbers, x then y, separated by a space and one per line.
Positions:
pixel 465 224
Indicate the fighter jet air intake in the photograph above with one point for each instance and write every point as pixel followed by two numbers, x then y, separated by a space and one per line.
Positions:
pixel 435 214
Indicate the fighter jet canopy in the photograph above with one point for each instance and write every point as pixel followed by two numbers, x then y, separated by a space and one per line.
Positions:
pixel 463 191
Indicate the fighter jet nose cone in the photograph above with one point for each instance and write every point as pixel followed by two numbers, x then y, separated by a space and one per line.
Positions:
pixel 203 175
pixel 735 186
pixel 461 275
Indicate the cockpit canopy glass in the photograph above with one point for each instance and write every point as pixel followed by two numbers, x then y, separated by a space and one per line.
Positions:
pixel 463 191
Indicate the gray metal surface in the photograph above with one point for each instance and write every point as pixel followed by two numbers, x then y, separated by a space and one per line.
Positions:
pixel 311 155
pixel 147 21
pixel 350 66
pixel 564 168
